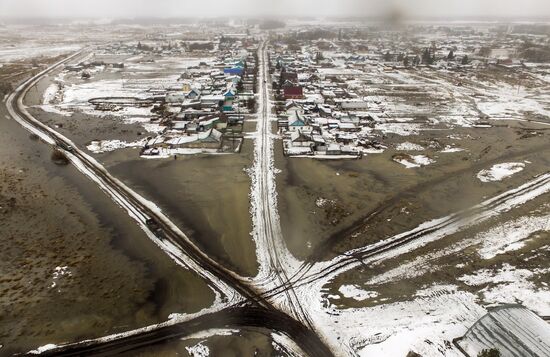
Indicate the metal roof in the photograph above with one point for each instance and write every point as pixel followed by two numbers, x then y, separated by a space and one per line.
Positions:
pixel 512 329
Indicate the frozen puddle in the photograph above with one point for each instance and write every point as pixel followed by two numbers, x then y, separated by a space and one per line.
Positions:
pixel 500 171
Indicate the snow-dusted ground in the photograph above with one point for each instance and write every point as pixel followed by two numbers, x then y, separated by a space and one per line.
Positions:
pixel 99 146
pixel 511 285
pixel 437 314
pixel 499 172
pixel 427 322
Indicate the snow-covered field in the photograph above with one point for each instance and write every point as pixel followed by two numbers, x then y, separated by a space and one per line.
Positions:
pixel 437 313
pixel 32 50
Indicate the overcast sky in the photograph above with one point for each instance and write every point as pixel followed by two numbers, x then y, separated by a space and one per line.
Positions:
pixel 188 8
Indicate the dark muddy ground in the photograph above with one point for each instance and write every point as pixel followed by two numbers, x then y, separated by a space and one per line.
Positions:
pixel 75 265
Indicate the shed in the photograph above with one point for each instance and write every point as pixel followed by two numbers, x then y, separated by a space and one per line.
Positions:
pixel 513 330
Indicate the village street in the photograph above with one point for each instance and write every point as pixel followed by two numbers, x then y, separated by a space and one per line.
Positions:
pixel 275 260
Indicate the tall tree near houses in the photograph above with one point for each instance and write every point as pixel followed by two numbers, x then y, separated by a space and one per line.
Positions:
pixel 451 55
pixel 427 57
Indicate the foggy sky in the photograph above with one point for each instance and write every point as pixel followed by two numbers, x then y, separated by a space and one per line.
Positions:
pixel 214 8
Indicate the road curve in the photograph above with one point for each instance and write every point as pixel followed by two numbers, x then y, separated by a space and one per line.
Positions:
pixel 234 317
pixel 252 311
pixel 168 236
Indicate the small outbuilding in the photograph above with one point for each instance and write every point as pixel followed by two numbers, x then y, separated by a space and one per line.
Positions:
pixel 513 330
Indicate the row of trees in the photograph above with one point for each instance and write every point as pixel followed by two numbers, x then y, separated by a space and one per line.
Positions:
pixel 428 58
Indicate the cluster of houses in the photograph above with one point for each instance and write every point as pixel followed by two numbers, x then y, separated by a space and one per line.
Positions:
pixel 207 108
pixel 317 115
pixel 336 97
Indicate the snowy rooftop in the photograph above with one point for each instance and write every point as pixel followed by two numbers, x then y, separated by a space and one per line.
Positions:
pixel 514 330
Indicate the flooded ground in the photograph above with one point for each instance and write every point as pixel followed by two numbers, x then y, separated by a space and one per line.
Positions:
pixel 88 269
pixel 328 207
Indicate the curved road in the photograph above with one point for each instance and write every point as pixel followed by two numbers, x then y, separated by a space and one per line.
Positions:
pixel 254 310
pixel 234 317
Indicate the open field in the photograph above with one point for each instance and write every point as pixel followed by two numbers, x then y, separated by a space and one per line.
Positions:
pixel 216 188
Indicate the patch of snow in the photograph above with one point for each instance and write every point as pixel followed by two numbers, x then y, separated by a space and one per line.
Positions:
pixel 506 274
pixel 353 292
pixel 100 146
pixel 43 349
pixel 322 202
pixel 510 236
pixel 414 161
pixel 499 172
pixel 50 93
pixel 198 350
pixel 59 272
pixel 408 146
pixel 403 129
pixel 509 285
pixel 449 149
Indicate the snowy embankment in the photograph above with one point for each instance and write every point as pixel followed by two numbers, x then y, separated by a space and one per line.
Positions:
pixel 499 172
